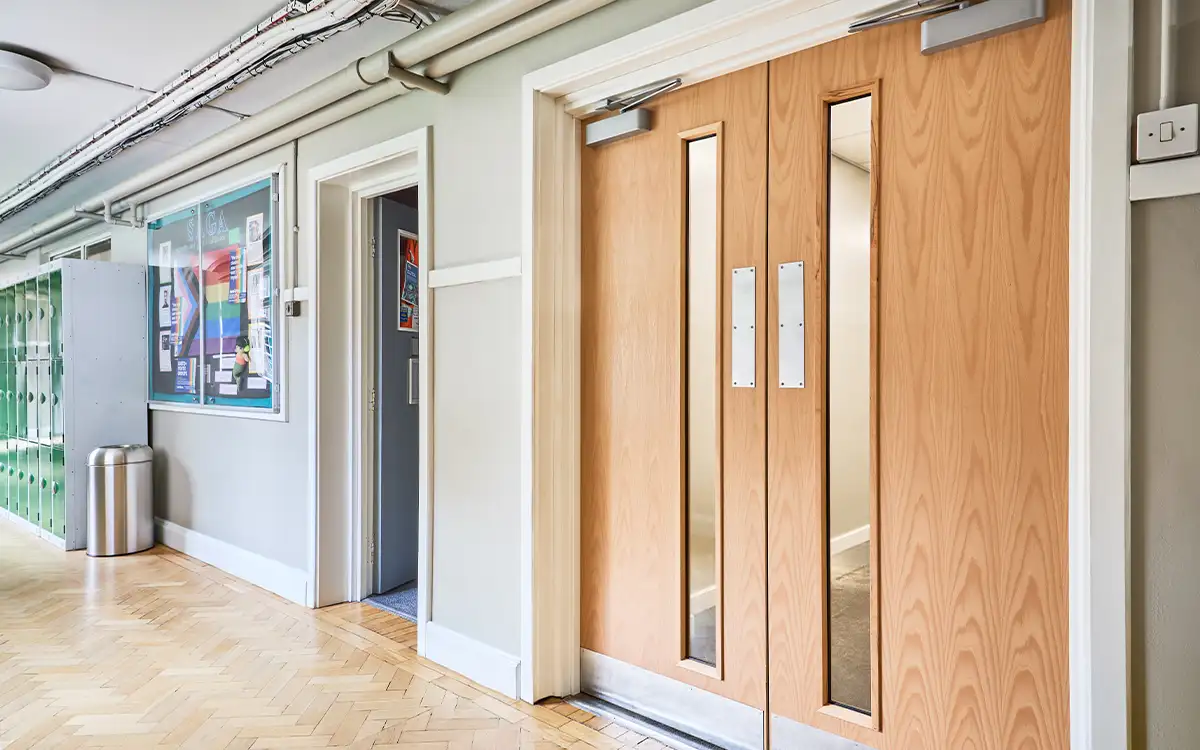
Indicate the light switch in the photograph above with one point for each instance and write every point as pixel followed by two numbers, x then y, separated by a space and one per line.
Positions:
pixel 1168 133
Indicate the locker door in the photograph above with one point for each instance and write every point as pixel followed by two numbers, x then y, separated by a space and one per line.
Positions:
pixel 57 428
pixel 22 474
pixel 41 317
pixel 20 345
pixel 58 475
pixel 44 402
pixel 55 315
pixel 41 486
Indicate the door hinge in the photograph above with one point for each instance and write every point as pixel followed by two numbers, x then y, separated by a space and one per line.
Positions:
pixel 372 247
pixel 372 402
pixel 371 550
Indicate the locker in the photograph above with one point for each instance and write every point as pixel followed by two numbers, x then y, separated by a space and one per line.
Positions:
pixel 31 401
pixel 22 480
pixel 36 352
pixel 58 473
pixel 55 315
pixel 31 343
pixel 18 323
pixel 57 428
pixel 42 488
pixel 44 404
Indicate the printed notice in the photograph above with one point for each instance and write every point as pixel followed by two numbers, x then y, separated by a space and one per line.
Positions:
pixel 256 384
pixel 256 283
pixel 227 389
pixel 165 293
pixel 254 239
pixel 164 352
pixel 164 255
pixel 224 376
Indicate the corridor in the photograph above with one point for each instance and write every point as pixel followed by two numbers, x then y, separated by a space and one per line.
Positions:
pixel 159 650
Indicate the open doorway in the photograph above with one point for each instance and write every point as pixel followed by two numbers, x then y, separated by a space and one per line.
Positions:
pixel 396 259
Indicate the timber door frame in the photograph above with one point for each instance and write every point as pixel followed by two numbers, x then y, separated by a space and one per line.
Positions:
pixel 727 35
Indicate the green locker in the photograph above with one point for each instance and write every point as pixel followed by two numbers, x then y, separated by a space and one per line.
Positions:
pixel 30 294
pixel 44 405
pixel 41 318
pixel 34 345
pixel 41 488
pixel 55 315
pixel 57 428
pixel 5 326
pixel 19 342
pixel 22 481
pixel 58 480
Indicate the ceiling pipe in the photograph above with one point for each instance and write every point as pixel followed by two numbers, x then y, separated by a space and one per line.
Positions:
pixel 358 77
pixel 80 224
pixel 177 94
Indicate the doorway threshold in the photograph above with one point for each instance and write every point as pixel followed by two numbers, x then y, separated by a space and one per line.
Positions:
pixel 669 736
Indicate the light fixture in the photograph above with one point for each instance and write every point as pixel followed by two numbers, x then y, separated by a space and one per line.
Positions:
pixel 21 73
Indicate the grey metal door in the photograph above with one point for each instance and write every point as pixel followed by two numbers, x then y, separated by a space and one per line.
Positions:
pixel 397 427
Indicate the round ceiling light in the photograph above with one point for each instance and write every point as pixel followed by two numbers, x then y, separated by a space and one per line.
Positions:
pixel 21 73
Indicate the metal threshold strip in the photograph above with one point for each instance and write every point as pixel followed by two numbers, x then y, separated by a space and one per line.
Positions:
pixel 668 736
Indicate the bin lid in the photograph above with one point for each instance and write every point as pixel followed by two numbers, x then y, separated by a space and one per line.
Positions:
pixel 119 455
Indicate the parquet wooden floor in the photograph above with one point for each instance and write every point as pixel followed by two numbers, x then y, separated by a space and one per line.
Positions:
pixel 160 650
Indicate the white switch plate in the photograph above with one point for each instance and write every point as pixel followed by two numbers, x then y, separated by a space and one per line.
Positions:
pixel 1168 133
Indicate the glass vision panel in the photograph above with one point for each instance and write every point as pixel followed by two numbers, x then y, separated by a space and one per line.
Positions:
pixel 703 391
pixel 848 409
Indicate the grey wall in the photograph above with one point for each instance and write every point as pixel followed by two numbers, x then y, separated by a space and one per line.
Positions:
pixel 256 497
pixel 1166 426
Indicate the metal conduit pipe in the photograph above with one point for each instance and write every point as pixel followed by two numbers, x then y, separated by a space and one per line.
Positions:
pixel 78 225
pixel 372 70
pixel 508 35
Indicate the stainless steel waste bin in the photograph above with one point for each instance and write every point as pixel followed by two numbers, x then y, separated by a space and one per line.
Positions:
pixel 120 496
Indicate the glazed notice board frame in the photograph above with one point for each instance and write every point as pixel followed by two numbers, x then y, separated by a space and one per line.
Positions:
pixel 213 283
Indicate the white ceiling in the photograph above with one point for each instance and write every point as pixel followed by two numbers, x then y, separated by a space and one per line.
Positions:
pixel 850 131
pixel 143 43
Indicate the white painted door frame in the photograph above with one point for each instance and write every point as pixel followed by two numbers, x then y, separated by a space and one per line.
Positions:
pixel 727 35
pixel 341 329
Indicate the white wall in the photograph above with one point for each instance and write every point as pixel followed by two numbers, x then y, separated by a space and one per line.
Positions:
pixel 255 497
pixel 849 350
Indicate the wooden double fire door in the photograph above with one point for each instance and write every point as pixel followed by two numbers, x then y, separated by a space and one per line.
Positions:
pixel 824 400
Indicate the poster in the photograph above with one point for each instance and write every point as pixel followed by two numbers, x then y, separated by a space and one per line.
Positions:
pixel 237 275
pixel 165 360
pixel 410 284
pixel 185 375
pixel 258 349
pixel 256 294
pixel 164 255
pixel 254 240
pixel 165 293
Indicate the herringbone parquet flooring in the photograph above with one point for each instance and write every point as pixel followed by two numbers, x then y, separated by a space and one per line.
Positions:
pixel 159 650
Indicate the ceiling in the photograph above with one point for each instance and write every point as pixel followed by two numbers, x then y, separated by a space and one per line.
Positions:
pixel 144 44
pixel 850 131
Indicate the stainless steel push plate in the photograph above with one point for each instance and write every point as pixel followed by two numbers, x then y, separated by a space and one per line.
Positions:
pixel 742 334
pixel 791 325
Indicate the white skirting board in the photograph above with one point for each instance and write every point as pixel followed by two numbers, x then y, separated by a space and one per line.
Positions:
pixel 487 665
pixel 852 538
pixel 32 528
pixel 272 575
